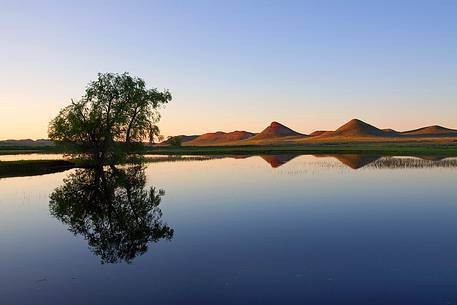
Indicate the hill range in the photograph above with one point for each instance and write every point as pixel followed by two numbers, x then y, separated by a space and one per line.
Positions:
pixel 219 137
pixel 26 142
pixel 353 131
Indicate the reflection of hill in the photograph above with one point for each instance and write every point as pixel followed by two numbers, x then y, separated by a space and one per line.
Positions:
pixel 356 161
pixel 113 210
pixel 353 161
pixel 278 160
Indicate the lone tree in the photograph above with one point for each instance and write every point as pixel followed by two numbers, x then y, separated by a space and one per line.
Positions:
pixel 116 111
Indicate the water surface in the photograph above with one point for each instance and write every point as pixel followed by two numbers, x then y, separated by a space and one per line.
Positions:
pixel 283 229
pixel 34 156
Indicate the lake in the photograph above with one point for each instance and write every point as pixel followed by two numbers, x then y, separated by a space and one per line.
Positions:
pixel 274 229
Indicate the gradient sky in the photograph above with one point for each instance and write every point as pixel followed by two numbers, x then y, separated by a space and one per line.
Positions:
pixel 236 64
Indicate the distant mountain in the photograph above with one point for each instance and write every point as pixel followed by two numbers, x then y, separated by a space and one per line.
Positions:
pixel 389 130
pixel 434 130
pixel 221 137
pixel 275 130
pixel 354 130
pixel 184 139
pixel 27 142
pixel 278 134
pixel 318 133
pixel 357 128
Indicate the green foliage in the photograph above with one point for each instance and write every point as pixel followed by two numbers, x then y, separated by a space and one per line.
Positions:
pixel 115 109
pixel 174 141
pixel 404 149
pixel 33 167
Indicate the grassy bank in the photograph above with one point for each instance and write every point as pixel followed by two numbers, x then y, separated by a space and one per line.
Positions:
pixel 13 150
pixel 33 167
pixel 415 148
pixel 375 148
pixel 39 167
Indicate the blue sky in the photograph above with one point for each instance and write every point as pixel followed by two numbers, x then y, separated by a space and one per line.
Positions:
pixel 236 64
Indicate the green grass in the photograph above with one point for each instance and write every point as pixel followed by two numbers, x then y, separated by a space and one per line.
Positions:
pixel 375 148
pixel 33 167
pixel 39 167
pixel 13 150
pixel 356 148
pixel 415 148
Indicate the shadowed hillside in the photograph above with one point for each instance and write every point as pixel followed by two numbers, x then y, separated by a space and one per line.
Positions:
pixel 390 130
pixel 184 139
pixel 431 131
pixel 318 133
pixel 220 137
pixel 354 131
pixel 275 130
pixel 27 142
pixel 357 128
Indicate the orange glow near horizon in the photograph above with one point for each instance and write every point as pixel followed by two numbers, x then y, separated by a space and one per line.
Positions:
pixel 234 67
pixel 30 121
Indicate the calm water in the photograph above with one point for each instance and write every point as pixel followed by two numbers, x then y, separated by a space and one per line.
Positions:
pixel 258 230
pixel 15 157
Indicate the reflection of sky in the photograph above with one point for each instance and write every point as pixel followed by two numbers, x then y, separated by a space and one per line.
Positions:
pixel 39 156
pixel 249 233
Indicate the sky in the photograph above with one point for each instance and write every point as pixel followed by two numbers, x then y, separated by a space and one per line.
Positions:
pixel 235 65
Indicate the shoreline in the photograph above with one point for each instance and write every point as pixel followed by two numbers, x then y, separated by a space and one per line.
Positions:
pixel 384 148
pixel 32 167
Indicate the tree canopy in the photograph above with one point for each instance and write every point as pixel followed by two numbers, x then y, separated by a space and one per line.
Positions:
pixel 116 108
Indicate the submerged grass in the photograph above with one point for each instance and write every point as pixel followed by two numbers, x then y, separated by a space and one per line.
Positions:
pixel 405 162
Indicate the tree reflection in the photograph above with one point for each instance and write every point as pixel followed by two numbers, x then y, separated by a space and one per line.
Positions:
pixel 113 210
